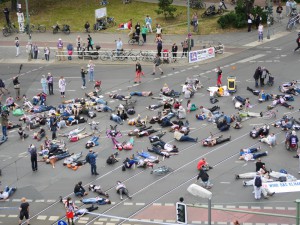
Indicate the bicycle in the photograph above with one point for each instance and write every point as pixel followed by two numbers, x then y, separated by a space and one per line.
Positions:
pixel 197 4
pixel 162 170
pixel 40 28
pixel 146 56
pixel 269 114
pixel 10 29
pixel 292 23
pixel 105 56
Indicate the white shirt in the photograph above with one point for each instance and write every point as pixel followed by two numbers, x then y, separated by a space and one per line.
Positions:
pixel 4 195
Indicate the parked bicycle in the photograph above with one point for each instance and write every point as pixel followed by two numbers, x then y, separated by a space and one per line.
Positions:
pixel 136 40
pixel 146 56
pixel 34 28
pixel 197 4
pixel 9 30
pixel 162 170
pixel 63 28
pixel 211 11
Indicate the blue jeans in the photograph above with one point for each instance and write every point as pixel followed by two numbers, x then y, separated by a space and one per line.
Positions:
pixel 138 93
pixel 107 108
pixel 258 155
pixel 4 131
pixel 187 138
pixel 83 82
pixel 99 201
pixel 117 119
pixel 101 101
pixel 44 86
pixel 62 156
pixel 95 140
pixel 93 169
pixel 91 75
pixel 252 150
pixel 79 194
pixel 9 190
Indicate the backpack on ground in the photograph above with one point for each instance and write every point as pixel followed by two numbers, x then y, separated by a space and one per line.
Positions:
pixel 258 182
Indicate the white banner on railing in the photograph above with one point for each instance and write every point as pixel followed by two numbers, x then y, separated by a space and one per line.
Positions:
pixel 200 55
pixel 283 187
pixel 100 13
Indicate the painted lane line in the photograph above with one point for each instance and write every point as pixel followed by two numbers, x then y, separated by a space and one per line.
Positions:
pixel 251 58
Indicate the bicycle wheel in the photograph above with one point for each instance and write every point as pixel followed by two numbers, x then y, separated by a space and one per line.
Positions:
pixel 42 28
pixel 55 30
pixel 132 56
pixel 68 31
pixel 141 42
pixel 5 32
pixel 105 57
pixel 131 42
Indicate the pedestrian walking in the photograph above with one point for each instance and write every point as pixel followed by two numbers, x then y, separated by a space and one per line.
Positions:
pixel 62 86
pixel 70 210
pixel 53 125
pixel 249 21
pixel 260 33
pixel 257 187
pixel 47 53
pixel 159 45
pixel 70 51
pixel 144 33
pixel 60 50
pixel 17 43
pixel 91 159
pixel 50 83
pixel 91 69
pixel 33 157
pixel 174 52
pixel 158 30
pixel 148 22
pixel 204 178
pixel 137 29
pixel 83 73
pixel 21 20
pixel 119 46
pixel 258 21
pixel 90 43
pixel 24 211
pixel 4 124
pixel 298 42
pixel 2 87
pixel 263 75
pixel 219 76
pixel 195 22
pixel 17 87
pixel 44 84
pixel 78 41
pixel 157 65
pixel 185 47
pixel 257 75
pixel 287 7
pixel 138 73
pixel 29 51
pixel 35 51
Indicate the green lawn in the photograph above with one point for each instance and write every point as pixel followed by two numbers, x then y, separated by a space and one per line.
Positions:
pixel 77 12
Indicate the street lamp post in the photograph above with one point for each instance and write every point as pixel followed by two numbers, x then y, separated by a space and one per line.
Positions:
pixel 201 192
pixel 269 18
pixel 28 20
pixel 189 27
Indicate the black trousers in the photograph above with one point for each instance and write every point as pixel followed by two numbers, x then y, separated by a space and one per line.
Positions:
pixel 34 163
pixel 50 87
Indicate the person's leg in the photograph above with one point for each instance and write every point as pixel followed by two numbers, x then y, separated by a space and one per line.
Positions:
pixel 249 175
pixel 35 163
pixel 187 138
pixel 92 169
pixel 253 150
pixel 32 163
pixel 220 141
pixel 258 155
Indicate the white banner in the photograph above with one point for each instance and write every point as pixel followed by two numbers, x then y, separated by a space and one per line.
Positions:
pixel 283 187
pixel 200 55
pixel 100 13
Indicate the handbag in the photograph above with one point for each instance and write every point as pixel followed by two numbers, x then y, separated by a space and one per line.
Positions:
pixel 92 42
pixel 17 86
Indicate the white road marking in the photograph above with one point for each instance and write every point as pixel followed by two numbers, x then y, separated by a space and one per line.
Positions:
pixel 251 58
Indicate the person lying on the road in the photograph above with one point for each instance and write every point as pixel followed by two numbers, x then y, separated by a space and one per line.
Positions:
pixel 40 134
pixel 81 212
pixel 212 141
pixel 7 192
pixel 182 137
pixel 237 125
pixel 72 132
pixel 263 97
pixel 119 97
pixel 114 117
pixel 122 190
pixel 138 121
pixel 267 177
pixel 97 189
pixel 72 158
pixel 54 158
pixel 250 154
pixel 77 137
pixel 270 140
pixel 97 200
pixel 181 127
pixel 92 142
pixel 129 163
pixel 260 132
pixel 142 132
pixel 164 153
pixel 103 108
pixel 289 88
pixel 147 155
pixel 141 93
pixel 126 145
pixel 74 120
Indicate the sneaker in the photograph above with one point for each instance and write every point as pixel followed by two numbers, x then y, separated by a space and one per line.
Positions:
pixel 161 73
pixel 259 147
pixel 267 152
pixel 96 174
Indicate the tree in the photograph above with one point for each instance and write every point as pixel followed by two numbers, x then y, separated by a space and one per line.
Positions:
pixel 13 5
pixel 165 7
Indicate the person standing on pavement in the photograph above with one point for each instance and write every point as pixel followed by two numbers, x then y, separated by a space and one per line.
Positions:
pixel 17 43
pixel 16 84
pixel 258 21
pixel 92 161
pixel 91 69
pixel 119 46
pixel 137 29
pixel 60 48
pixel 129 25
pixel 62 86
pixel 70 210
pixel 33 157
pixel 257 186
pixel 24 211
pixel 298 42
pixel 260 33
pixel 90 43
pixel 4 124
pixel 148 22
pixel 174 52
pixel 159 45
pixel 138 73
pixel 144 33
pixel 53 125
pixel 249 21
pixel 50 83
pixel 219 76
pixel 29 51
pixel 157 64
pixel 6 14
pixel 257 75
pixel 195 22
pixel 263 76
pixel 78 42
pixel 35 51
pixel 44 84
pixel 47 53
pixel 287 7
pixel 185 47
pixel 83 73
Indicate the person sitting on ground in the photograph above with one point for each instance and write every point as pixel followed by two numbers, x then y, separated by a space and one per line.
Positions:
pixel 129 163
pixel 181 137
pixel 212 141
pixel 122 190
pixel 181 127
pixel 270 140
pixel 237 125
pixel 123 115
pixel 22 133
pixel 116 118
pixel 112 159
pixel 40 134
pixel 264 96
pixel 92 142
pixel 181 113
pixel 7 192
pixel 79 191
pixel 98 190
pixel 203 164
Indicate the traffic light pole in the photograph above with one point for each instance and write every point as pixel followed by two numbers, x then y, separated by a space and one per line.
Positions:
pixel 209 211
pixel 269 18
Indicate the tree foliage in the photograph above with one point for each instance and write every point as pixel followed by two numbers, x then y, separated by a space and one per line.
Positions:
pixel 165 7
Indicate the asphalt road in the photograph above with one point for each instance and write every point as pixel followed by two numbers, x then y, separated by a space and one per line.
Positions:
pixel 44 187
